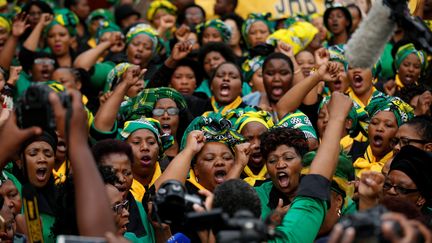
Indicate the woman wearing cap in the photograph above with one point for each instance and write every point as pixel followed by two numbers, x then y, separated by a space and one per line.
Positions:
pixel 338 21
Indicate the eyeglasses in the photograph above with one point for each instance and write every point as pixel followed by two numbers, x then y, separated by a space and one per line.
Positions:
pixel 118 208
pixel 172 111
pixel 400 190
pixel 46 61
pixel 403 141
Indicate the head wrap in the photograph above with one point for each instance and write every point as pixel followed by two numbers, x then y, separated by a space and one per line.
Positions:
pixel 416 164
pixel 344 10
pixel 115 75
pixel 250 66
pixel 298 35
pixel 5 23
pixel 144 29
pixel 299 121
pixel 343 174
pixel 143 104
pixel 164 141
pixel 223 29
pixel 101 13
pixel 65 18
pixel 105 27
pixel 216 129
pixel 402 111
pixel 337 54
pixel 47 136
pixel 262 117
pixel 404 51
pixel 252 18
pixel 160 4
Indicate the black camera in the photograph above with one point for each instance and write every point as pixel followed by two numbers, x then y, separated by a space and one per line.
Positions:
pixel 34 108
pixel 172 202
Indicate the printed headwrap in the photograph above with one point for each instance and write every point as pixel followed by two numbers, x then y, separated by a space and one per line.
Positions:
pixel 406 50
pixel 298 36
pixel 250 66
pixel 402 111
pixel 5 22
pixel 144 29
pixel 337 54
pixel 216 129
pixel 105 27
pixel 343 175
pixel 357 115
pixel 262 117
pixel 115 75
pixel 65 18
pixel 104 14
pixel 252 18
pixel 299 121
pixel 164 140
pixel 143 104
pixel 158 4
pixel 223 29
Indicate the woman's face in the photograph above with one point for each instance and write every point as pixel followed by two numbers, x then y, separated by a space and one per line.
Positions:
pixel 59 40
pixel 360 80
pixel 400 179
pixel 252 132
pixel 211 34
pixel 258 33
pixel 319 24
pixel 323 118
pixel 120 213
pixel 39 157
pixel 211 61
pixel 168 122
pixel 194 16
pixel 284 166
pixel 277 76
pixel 65 77
pixel 342 83
pixel 11 196
pixel 306 61
pixel 333 213
pixel 123 169
pixel 34 14
pixel 409 132
pixel 257 82
pixel 140 50
pixel 213 163
pixel 157 18
pixel 235 32
pixel 183 80
pixel 146 152
pixel 382 128
pixel 226 85
pixel 337 22
pixel 42 69
pixel 410 69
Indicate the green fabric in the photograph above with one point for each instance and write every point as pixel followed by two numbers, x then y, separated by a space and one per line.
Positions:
pixel 65 18
pixel 5 22
pixel 263 192
pixel 96 135
pixel 344 168
pixel 100 13
pixel 244 116
pixel 250 66
pixel 299 121
pixel 144 29
pixel 223 29
pixel 100 72
pixel 402 111
pixel 150 237
pixel 252 18
pixel 350 208
pixel 106 27
pixel 385 63
pixel 47 223
pixel 115 75
pixel 22 84
pixel 337 54
pixel 15 181
pixel 160 4
pixel 205 88
pixel 404 51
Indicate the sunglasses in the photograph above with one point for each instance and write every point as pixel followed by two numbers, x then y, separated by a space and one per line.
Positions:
pixel 172 111
pixel 403 141
pixel 44 61
pixel 118 208
pixel 400 190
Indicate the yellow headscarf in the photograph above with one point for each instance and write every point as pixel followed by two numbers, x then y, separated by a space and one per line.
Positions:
pixel 5 23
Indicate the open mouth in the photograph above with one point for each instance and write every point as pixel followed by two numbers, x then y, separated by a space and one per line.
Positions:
pixel 46 75
pixel 61 147
pixel 337 85
pixel 219 176
pixel 277 91
pixel 145 160
pixel 377 141
pixel 256 157
pixel 225 89
pixel 137 59
pixel 283 179
pixel 184 90
pixel 166 129
pixel 41 174
pixel 357 81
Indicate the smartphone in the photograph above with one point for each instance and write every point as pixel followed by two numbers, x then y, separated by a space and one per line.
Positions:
pixel 80 239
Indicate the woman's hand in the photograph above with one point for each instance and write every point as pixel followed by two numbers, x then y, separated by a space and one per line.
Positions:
pixel 14 75
pixel 195 141
pixel 339 106
pixel 182 33
pixel 328 71
pixel 242 152
pixel 19 25
pixel 133 74
pixel 390 87
pixel 45 19
pixel 371 184
pixel 322 56
pixel 285 49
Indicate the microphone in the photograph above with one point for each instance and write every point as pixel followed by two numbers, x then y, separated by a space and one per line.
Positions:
pixel 367 43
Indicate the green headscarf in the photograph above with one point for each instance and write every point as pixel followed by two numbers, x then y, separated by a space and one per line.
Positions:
pixel 143 104
pixel 144 29
pixel 250 66
pixel 223 29
pixel 158 4
pixel 65 18
pixel 262 117
pixel 115 75
pixel 252 18
pixel 104 14
pixel 299 121
pixel 105 27
pixel 402 111
pixel 406 50
pixel 216 129
pixel 164 141
pixel 337 54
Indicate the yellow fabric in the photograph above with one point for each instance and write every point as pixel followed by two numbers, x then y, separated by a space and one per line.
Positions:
pixel 346 143
pixel 252 178
pixel 138 190
pixel 254 119
pixel 354 97
pixel 224 109
pixel 399 83
pixel 5 24
pixel 92 42
pixel 60 174
pixel 369 163
pixel 192 179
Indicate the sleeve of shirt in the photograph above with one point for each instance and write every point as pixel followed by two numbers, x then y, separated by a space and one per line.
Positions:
pixel 97 135
pixel 161 78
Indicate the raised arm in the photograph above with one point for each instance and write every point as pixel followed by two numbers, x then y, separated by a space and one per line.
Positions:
pixel 31 43
pixel 242 153
pixel 18 28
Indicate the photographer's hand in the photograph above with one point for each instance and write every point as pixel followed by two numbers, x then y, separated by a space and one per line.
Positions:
pixel 339 235
pixel 389 225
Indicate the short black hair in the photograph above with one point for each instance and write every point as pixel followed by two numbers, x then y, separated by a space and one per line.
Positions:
pixel 224 63
pixel 69 3
pixel 192 64
pixel 278 136
pixel 409 91
pixel 278 55
pixel 182 15
pixel 219 47
pixel 108 174
pixel 111 146
pixel 423 126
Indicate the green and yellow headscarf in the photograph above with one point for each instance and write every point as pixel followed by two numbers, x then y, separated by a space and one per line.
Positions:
pixel 262 117
pixel 144 29
pixel 158 4
pixel 164 140
pixel 115 75
pixel 406 50
pixel 223 29
pixel 250 66
pixel 337 54
pixel 5 23
pixel 402 111
pixel 65 18
pixel 299 121
pixel 252 18
pixel 105 27
pixel 104 14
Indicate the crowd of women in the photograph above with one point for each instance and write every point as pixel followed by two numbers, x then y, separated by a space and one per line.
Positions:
pixel 159 92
